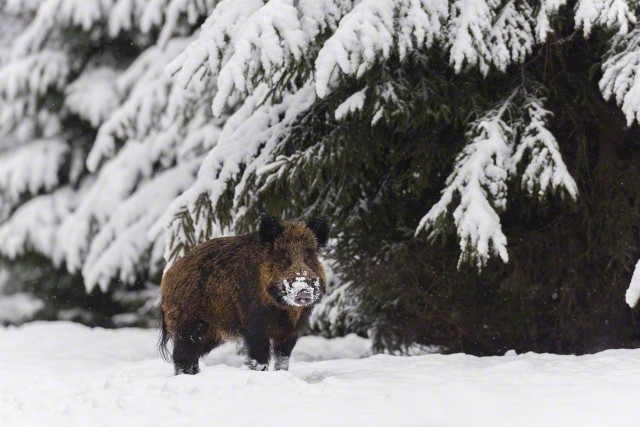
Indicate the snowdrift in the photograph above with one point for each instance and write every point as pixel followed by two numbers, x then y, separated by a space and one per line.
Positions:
pixel 64 374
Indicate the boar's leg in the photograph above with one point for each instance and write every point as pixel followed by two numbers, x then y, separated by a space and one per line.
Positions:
pixel 258 351
pixel 257 344
pixel 188 346
pixel 282 352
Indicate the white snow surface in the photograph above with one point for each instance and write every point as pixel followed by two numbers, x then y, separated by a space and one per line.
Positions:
pixel 65 374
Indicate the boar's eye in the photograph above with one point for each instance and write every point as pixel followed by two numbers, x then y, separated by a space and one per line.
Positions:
pixel 310 253
pixel 283 257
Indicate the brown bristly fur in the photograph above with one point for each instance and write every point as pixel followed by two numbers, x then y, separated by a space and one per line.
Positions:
pixel 222 288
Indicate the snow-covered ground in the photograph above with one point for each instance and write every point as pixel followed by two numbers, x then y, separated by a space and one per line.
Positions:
pixel 64 374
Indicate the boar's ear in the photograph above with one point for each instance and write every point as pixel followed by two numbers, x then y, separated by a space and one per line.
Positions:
pixel 269 228
pixel 320 228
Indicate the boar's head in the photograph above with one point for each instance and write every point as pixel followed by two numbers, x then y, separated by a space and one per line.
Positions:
pixel 296 277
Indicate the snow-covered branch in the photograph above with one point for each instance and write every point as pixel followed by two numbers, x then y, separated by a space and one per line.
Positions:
pixel 546 10
pixel 35 74
pixel 420 23
pixel 121 248
pixel 633 293
pixel 476 191
pixel 372 31
pixel 30 169
pixel 117 179
pixel 621 74
pixel 364 36
pixel 145 111
pixel 613 14
pixel 271 39
pixel 93 95
pixel 352 104
pixel 248 140
pixel 34 225
pixel 512 39
pixel 469 28
pixel 206 55
pixel 53 15
pixel 545 171
pixel 177 12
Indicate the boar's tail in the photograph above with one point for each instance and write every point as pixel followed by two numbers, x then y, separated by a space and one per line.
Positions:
pixel 164 338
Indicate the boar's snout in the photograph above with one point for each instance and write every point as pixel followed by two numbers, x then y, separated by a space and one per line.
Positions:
pixel 303 297
pixel 298 291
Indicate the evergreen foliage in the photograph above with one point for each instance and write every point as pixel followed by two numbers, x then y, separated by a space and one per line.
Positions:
pixel 96 142
pixel 478 158
pixel 409 119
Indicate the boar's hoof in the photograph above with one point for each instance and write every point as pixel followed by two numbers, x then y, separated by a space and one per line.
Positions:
pixel 255 366
pixel 282 364
pixel 188 370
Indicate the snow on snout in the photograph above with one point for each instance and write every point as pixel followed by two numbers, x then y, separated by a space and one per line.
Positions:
pixel 300 284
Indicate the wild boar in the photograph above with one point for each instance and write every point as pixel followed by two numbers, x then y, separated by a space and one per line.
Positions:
pixel 258 288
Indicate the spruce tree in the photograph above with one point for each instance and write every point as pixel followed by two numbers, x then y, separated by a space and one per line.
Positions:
pixel 92 150
pixel 411 122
